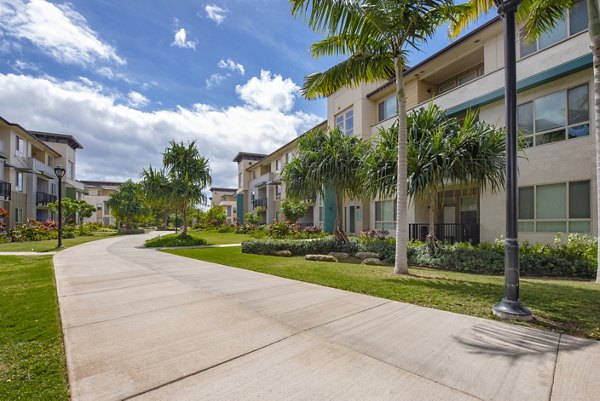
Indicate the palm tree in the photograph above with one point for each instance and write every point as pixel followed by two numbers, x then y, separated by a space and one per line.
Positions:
pixel 440 152
pixel 541 16
pixel 189 174
pixel 327 160
pixel 376 35
pixel 127 204
pixel 158 191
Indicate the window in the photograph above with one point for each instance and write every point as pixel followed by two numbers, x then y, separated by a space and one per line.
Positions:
pixel 277 192
pixel 20 147
pixel 563 207
pixel 345 122
pixel 461 79
pixel 50 161
pixel 239 180
pixel 387 108
pixel 254 175
pixel 70 170
pixel 385 215
pixel 288 157
pixel 53 188
pixel 555 117
pixel 19 183
pixel 18 215
pixel 106 208
pixel 228 210
pixel 320 216
pixel 277 165
pixel 574 21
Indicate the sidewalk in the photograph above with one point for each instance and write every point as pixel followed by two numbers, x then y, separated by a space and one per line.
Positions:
pixel 142 324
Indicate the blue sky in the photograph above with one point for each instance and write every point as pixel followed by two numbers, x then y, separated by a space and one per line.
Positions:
pixel 125 77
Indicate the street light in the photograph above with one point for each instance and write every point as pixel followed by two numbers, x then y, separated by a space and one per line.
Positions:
pixel 60 173
pixel 510 307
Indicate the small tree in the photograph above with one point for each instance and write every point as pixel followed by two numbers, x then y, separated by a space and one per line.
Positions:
pixel 128 204
pixel 253 218
pixel 72 208
pixel 215 216
pixel 293 209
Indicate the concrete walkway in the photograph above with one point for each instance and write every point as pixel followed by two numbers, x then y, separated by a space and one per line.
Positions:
pixel 142 324
pixel 27 253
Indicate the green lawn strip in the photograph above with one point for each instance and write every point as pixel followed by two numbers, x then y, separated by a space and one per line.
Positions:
pixel 565 306
pixel 216 238
pixel 50 245
pixel 32 361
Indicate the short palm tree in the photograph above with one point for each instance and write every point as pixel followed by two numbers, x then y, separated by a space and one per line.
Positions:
pixel 376 35
pixel 441 152
pixel 127 204
pixel 189 173
pixel 327 160
pixel 158 192
pixel 540 16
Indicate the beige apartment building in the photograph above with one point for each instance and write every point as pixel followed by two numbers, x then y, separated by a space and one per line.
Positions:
pixel 27 179
pixel 97 193
pixel 557 179
pixel 226 198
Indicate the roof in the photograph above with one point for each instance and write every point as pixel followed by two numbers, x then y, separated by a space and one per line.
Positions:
pixel 58 138
pixel 39 142
pixel 290 142
pixel 248 156
pixel 439 53
pixel 101 183
pixel 215 189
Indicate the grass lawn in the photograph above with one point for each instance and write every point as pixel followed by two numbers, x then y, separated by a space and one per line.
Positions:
pixel 215 238
pixel 565 306
pixel 32 362
pixel 50 245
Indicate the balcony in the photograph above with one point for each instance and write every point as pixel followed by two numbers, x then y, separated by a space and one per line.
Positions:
pixel 4 190
pixel 450 233
pixel 3 150
pixel 43 198
pixel 42 168
pixel 262 202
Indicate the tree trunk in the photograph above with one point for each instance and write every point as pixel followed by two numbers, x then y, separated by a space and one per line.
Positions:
pixel 594 31
pixel 431 224
pixel 401 264
pixel 184 221
pixel 338 231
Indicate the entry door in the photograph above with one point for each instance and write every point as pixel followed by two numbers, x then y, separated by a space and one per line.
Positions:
pixel 350 219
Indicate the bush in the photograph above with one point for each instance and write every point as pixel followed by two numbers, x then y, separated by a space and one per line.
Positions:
pixel 226 229
pixel 173 240
pixel 280 230
pixel 385 248
pixel 321 246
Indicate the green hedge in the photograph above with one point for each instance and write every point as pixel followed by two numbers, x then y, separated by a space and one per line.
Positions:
pixel 321 246
pixel 172 240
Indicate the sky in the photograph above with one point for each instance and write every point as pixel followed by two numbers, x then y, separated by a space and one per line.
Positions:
pixel 125 77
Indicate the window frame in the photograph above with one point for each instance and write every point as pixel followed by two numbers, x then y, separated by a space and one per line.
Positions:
pixel 385 224
pixel 381 108
pixel 567 220
pixel 341 121
pixel 19 182
pixel 20 147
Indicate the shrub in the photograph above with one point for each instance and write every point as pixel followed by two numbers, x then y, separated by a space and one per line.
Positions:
pixel 173 240
pixel 321 246
pixel 293 209
pixel 226 229
pixel 385 248
pixel 280 230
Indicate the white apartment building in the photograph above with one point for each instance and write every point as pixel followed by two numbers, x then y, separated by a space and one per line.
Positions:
pixel 226 198
pixel 97 193
pixel 557 179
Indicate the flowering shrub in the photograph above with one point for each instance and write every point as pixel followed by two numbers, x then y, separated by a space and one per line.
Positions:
pixel 374 234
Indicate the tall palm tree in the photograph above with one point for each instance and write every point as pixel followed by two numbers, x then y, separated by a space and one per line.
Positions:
pixel 189 173
pixel 541 16
pixel 440 152
pixel 327 160
pixel 376 35
pixel 158 192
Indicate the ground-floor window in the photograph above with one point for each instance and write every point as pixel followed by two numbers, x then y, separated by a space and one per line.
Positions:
pixel 18 215
pixel 563 207
pixel 385 215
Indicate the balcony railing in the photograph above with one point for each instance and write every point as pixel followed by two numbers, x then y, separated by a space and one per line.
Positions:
pixel 446 232
pixel 43 198
pixel 5 190
pixel 262 202
pixel 42 168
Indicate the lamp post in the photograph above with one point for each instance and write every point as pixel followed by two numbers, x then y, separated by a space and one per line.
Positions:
pixel 60 173
pixel 510 307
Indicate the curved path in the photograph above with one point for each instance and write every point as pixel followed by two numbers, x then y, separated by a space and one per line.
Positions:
pixel 142 324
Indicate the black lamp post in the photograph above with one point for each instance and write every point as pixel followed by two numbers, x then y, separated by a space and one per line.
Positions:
pixel 60 173
pixel 510 307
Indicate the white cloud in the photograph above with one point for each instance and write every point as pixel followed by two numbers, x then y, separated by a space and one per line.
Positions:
pixel 136 99
pixel 231 65
pixel 215 13
pixel 269 93
pixel 181 40
pixel 216 79
pixel 57 29
pixel 109 73
pixel 20 66
pixel 119 140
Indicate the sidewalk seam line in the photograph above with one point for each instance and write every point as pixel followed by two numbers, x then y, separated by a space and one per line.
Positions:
pixel 555 366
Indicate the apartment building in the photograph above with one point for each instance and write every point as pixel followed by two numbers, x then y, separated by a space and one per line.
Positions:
pixel 27 179
pixel 97 193
pixel 557 179
pixel 557 176
pixel 226 198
